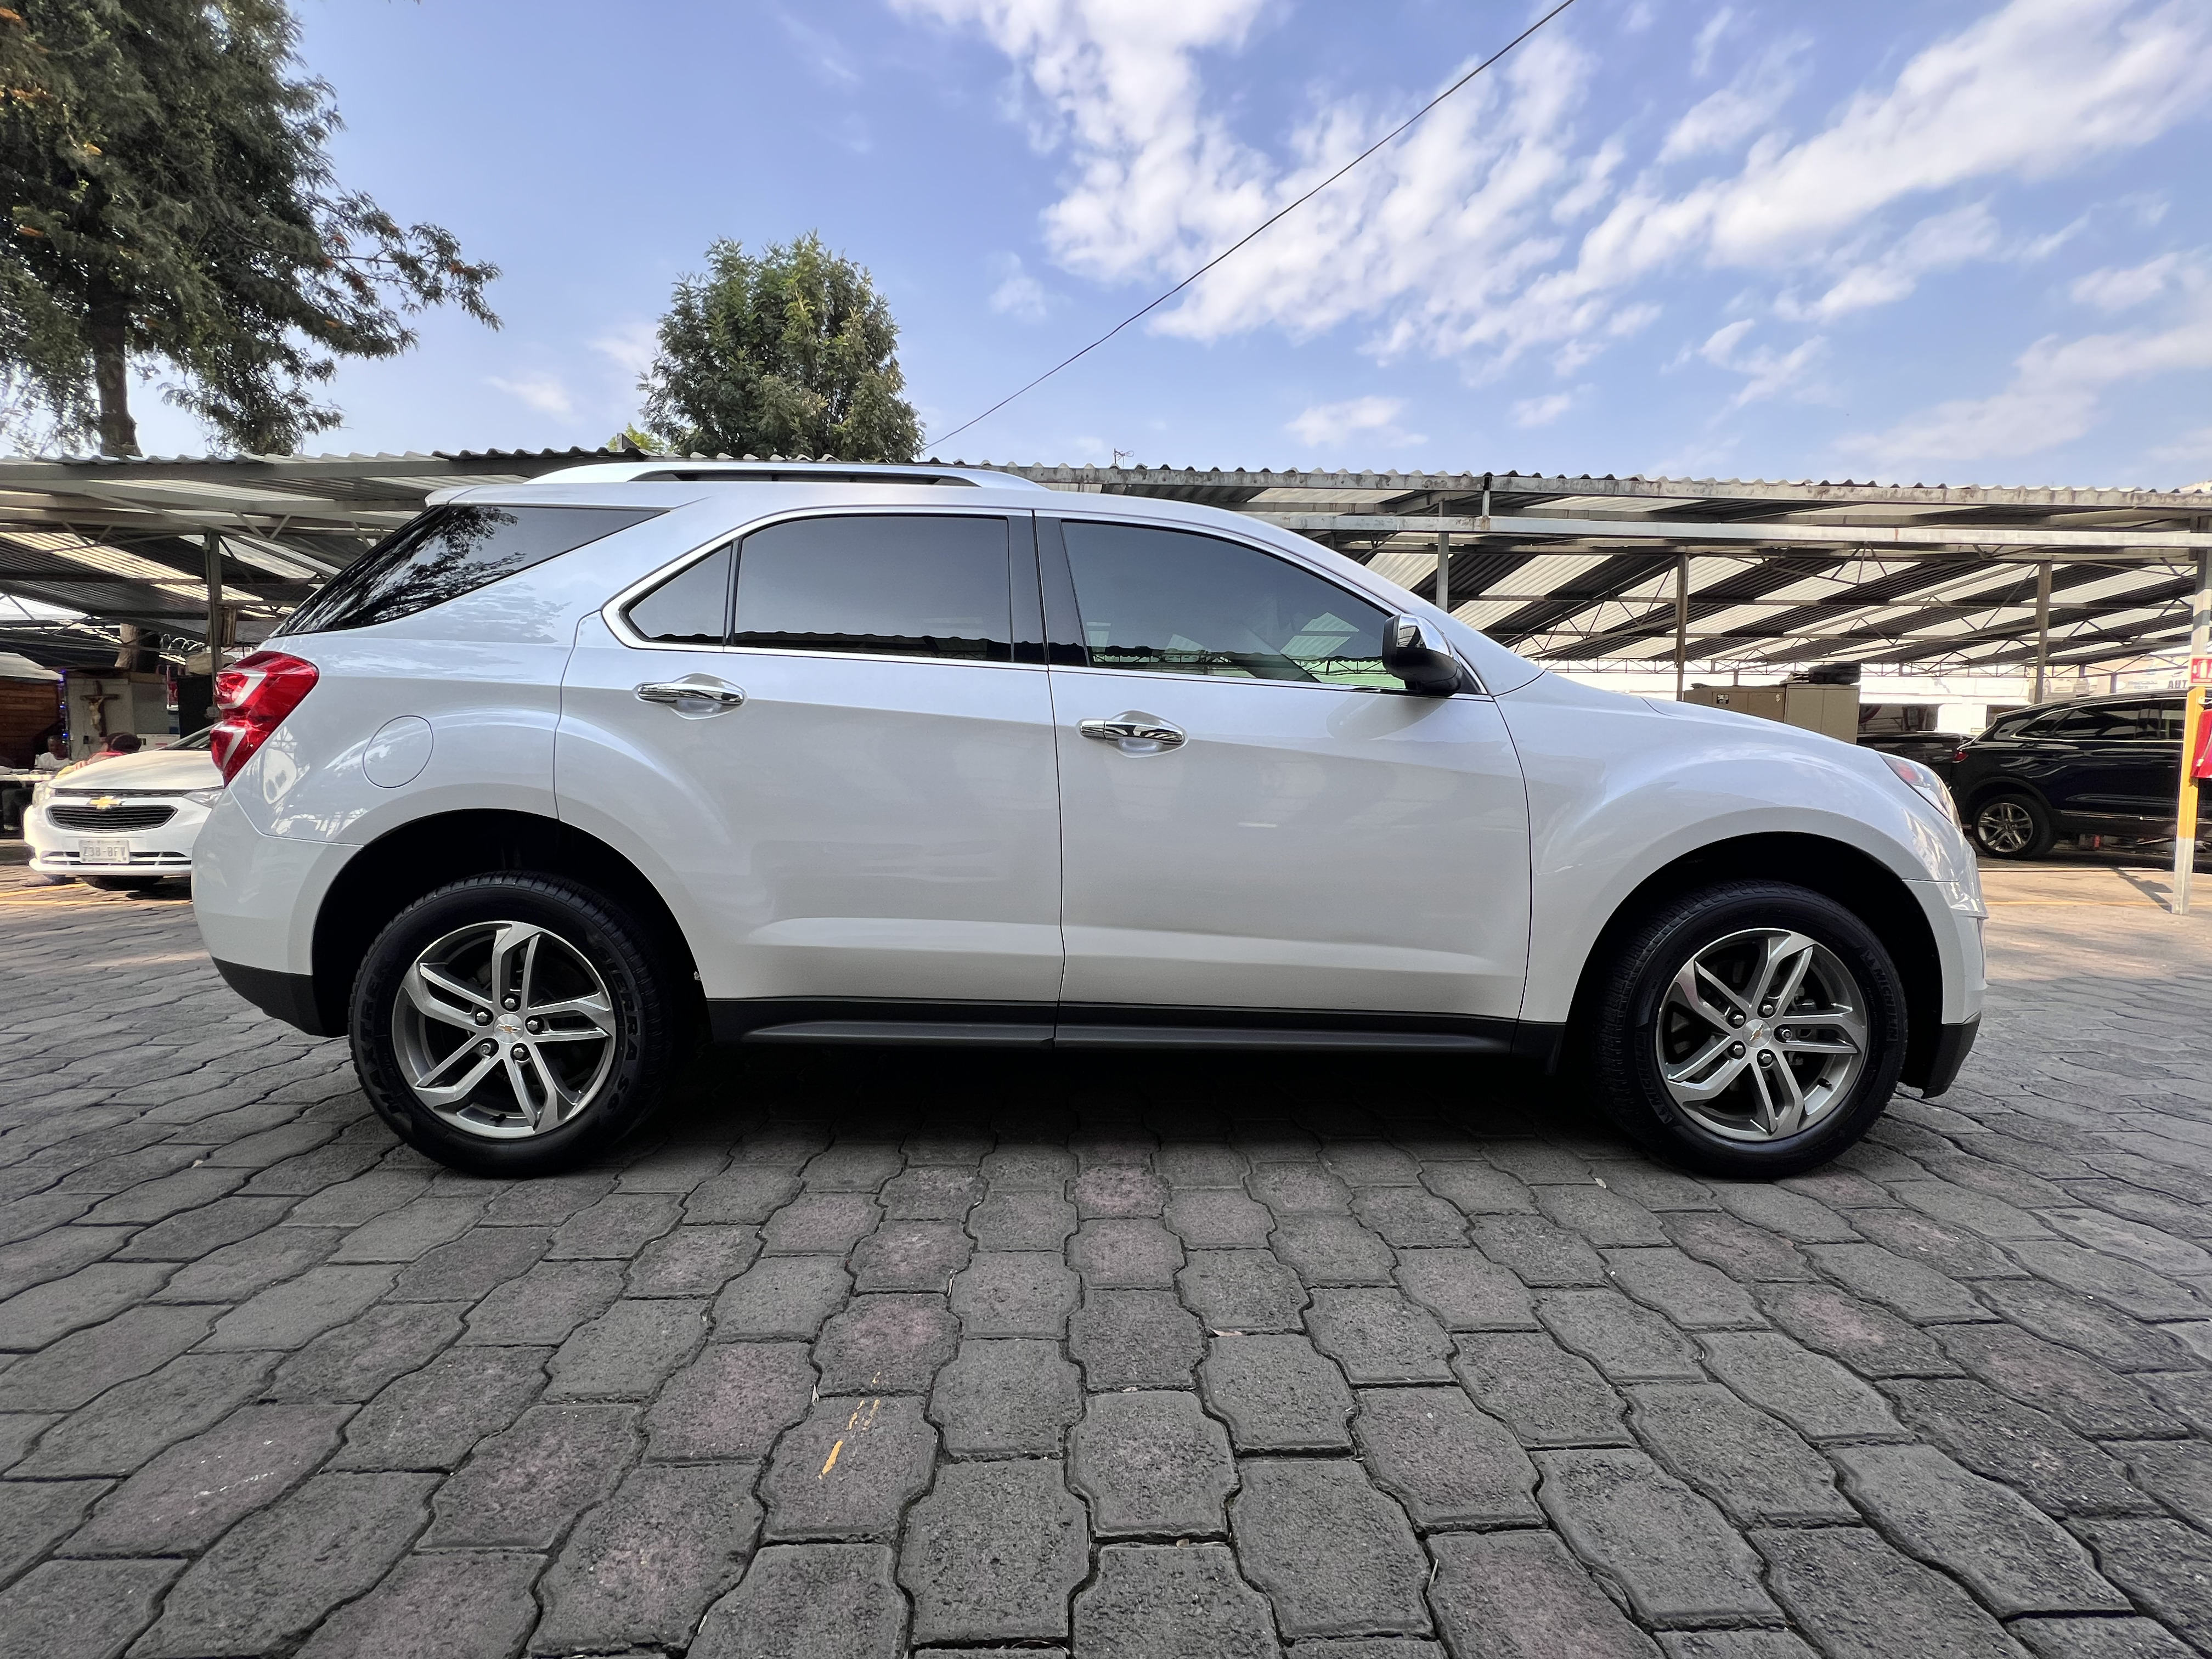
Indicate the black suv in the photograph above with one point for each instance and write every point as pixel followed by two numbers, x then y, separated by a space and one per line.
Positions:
pixel 2101 766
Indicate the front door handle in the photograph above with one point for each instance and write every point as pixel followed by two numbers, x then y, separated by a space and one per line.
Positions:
pixel 1137 733
pixel 694 695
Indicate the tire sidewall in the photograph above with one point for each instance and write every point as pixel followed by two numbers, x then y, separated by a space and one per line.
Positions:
pixel 1630 1066
pixel 606 939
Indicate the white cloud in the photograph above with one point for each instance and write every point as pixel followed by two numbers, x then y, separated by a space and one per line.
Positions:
pixel 821 51
pixel 1325 424
pixel 542 392
pixel 1709 38
pixel 1461 239
pixel 1936 243
pixel 631 346
pixel 1766 373
pixel 2057 390
pixel 1018 294
pixel 1726 120
pixel 2112 289
pixel 1542 411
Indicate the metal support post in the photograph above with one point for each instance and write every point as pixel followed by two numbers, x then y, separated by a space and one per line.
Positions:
pixel 1681 622
pixel 2200 673
pixel 2042 627
pixel 215 630
pixel 1443 571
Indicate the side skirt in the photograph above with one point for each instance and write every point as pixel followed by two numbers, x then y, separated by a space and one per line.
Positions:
pixel 1039 1025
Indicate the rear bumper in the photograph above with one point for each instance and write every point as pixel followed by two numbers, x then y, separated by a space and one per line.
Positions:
pixel 1952 1044
pixel 288 997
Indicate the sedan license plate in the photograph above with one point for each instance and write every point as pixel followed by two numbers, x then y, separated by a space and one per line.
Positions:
pixel 104 850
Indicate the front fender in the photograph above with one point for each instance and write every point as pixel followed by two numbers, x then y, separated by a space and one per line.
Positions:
pixel 1620 789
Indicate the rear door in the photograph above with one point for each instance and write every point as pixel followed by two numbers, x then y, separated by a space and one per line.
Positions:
pixel 834 738
pixel 1255 820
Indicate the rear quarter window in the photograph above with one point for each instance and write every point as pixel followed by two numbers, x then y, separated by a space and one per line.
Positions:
pixel 449 552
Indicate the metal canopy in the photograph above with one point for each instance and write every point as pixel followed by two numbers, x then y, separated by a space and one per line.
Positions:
pixel 1564 570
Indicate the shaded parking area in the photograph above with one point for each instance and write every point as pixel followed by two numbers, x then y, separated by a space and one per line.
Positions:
pixel 862 1352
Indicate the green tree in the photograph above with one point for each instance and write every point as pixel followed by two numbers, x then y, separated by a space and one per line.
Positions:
pixel 174 204
pixel 790 353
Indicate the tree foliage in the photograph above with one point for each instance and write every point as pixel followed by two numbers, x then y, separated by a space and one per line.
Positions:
pixel 789 353
pixel 174 202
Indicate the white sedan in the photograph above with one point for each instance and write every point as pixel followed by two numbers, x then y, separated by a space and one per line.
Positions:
pixel 125 820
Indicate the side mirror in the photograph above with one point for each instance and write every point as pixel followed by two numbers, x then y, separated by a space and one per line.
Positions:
pixel 1427 668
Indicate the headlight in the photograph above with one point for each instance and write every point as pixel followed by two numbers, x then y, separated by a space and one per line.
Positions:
pixel 203 797
pixel 1926 784
pixel 39 791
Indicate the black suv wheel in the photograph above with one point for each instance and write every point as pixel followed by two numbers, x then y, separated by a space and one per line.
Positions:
pixel 1752 1028
pixel 514 1024
pixel 2013 827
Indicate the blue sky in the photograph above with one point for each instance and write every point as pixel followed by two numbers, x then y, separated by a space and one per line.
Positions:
pixel 1911 239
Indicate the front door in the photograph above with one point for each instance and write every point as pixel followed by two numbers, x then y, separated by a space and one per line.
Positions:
pixel 842 778
pixel 1254 816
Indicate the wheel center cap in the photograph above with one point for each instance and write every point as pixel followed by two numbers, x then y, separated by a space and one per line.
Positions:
pixel 507 1025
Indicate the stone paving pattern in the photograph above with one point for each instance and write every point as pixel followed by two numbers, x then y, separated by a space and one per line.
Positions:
pixel 857 1353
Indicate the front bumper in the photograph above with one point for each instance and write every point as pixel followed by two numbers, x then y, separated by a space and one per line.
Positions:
pixel 165 849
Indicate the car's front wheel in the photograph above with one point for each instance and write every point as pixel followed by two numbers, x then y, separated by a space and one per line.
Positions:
pixel 1752 1029
pixel 514 1024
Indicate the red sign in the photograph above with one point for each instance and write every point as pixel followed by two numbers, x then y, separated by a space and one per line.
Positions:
pixel 2200 670
pixel 2200 763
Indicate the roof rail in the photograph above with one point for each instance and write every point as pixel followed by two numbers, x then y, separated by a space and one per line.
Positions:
pixel 681 470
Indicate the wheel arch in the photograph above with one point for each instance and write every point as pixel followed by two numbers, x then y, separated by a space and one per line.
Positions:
pixel 1876 895
pixel 426 854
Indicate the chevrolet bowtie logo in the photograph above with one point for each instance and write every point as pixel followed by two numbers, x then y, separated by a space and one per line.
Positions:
pixel 105 803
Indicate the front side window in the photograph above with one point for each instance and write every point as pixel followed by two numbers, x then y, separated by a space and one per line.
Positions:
pixel 908 585
pixel 1171 602
pixel 449 552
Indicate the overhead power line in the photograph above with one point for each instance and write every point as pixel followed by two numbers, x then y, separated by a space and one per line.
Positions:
pixel 1279 214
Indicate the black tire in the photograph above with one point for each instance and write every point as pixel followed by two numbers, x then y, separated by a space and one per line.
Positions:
pixel 2012 826
pixel 1624 1064
pixel 641 986
pixel 121 884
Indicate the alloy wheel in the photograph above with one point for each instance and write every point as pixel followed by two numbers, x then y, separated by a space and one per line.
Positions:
pixel 505 1029
pixel 2005 827
pixel 1761 1034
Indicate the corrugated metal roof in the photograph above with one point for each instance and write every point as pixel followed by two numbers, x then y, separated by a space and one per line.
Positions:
pixel 1566 567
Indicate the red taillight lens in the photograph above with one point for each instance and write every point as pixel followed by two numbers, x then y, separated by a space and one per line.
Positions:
pixel 1959 755
pixel 255 695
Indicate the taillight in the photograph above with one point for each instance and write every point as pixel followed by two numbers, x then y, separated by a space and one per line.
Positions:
pixel 255 694
pixel 1959 755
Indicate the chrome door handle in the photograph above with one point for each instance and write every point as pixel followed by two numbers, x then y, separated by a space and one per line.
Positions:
pixel 1137 733
pixel 695 694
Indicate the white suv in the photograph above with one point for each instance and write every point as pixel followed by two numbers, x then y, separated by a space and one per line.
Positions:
pixel 565 777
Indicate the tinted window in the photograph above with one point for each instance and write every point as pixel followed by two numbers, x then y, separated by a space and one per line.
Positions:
pixel 2145 722
pixel 692 607
pixel 450 551
pixel 2072 725
pixel 1174 603
pixel 899 585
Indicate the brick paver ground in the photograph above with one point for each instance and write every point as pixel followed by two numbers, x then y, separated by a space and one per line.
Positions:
pixel 1137 1357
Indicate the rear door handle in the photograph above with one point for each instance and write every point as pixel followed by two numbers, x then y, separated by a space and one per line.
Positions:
pixel 695 694
pixel 1137 733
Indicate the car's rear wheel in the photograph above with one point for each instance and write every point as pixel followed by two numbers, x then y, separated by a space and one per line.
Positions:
pixel 1752 1028
pixel 515 1025
pixel 2013 827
